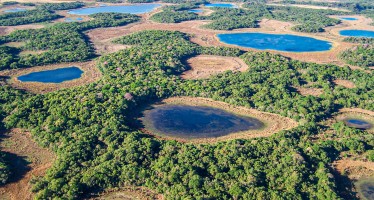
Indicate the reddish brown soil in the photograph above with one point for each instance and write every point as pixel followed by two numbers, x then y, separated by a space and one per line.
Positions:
pixel 344 83
pixel 128 193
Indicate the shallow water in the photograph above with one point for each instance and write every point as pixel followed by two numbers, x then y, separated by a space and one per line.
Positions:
pixel 131 9
pixel 196 11
pixel 196 121
pixel 16 10
pixel 357 33
pixel 73 19
pixel 220 5
pixel 53 76
pixel 358 123
pixel 348 18
pixel 366 188
pixel 280 42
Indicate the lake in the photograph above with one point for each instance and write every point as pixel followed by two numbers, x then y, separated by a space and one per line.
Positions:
pixel 184 121
pixel 73 19
pixel 196 11
pixel 279 42
pixel 131 9
pixel 357 33
pixel 348 18
pixel 358 123
pixel 53 76
pixel 16 10
pixel 220 5
pixel 365 188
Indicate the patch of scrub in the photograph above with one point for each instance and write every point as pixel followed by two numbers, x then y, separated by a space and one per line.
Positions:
pixel 204 120
pixel 221 5
pixel 53 76
pixel 131 9
pixel 15 10
pixel 279 42
pixel 365 188
pixel 357 33
pixel 204 66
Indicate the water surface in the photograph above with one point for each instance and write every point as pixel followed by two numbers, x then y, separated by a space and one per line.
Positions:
pixel 358 123
pixel 196 11
pixel 196 121
pixel 348 18
pixel 131 9
pixel 53 76
pixel 16 10
pixel 73 19
pixel 280 42
pixel 220 5
pixel 357 33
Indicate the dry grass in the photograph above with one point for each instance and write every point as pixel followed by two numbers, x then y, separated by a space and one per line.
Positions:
pixel 344 83
pixel 128 193
pixel 309 91
pixel 273 122
pixel 21 144
pixel 91 74
pixel 354 169
pixel 203 66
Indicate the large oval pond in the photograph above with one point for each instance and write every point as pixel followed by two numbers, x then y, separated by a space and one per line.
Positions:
pixel 190 122
pixel 53 76
pixel 357 33
pixel 366 188
pixel 358 123
pixel 15 10
pixel 220 5
pixel 280 42
pixel 131 9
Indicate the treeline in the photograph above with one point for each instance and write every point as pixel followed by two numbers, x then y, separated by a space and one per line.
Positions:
pixel 91 127
pixel 61 6
pixel 63 42
pixel 354 6
pixel 27 17
pixel 362 55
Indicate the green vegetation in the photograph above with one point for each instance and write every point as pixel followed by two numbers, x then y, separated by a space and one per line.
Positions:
pixel 4 169
pixel 27 17
pixel 362 55
pixel 91 130
pixel 61 6
pixel 63 42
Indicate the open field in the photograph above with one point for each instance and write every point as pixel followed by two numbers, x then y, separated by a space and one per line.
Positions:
pixel 128 193
pixel 91 74
pixel 31 161
pixel 203 66
pixel 273 122
pixel 344 83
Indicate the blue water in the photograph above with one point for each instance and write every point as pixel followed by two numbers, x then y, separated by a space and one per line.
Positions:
pixel 357 33
pixel 16 10
pixel 53 76
pixel 348 18
pixel 196 11
pixel 221 5
pixel 196 121
pixel 132 9
pixel 73 19
pixel 280 42
pixel 358 123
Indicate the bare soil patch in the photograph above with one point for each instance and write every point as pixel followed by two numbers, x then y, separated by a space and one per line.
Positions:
pixel 91 74
pixel 344 83
pixel 203 66
pixel 27 52
pixel 273 122
pixel 15 44
pixel 355 169
pixel 21 144
pixel 128 193
pixel 305 91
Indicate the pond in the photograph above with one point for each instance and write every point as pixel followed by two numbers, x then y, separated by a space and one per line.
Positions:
pixel 16 10
pixel 357 33
pixel 132 9
pixel 190 122
pixel 73 19
pixel 365 188
pixel 358 123
pixel 279 42
pixel 348 18
pixel 220 5
pixel 53 76
pixel 196 11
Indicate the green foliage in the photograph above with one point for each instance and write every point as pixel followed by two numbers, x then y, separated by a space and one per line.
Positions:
pixel 27 17
pixel 9 3
pixel 4 169
pixel 359 40
pixel 61 6
pixel 174 16
pixel 8 57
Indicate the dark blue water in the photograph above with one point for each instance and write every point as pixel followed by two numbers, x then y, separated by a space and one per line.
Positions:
pixel 53 76
pixel 15 10
pixel 349 18
pixel 196 121
pixel 132 9
pixel 196 11
pixel 73 19
pixel 358 123
pixel 221 5
pixel 280 42
pixel 357 33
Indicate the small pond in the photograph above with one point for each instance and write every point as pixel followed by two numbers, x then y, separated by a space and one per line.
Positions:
pixel 279 42
pixel 132 9
pixel 184 121
pixel 16 10
pixel 220 5
pixel 53 76
pixel 358 123
pixel 196 11
pixel 348 18
pixel 357 33
pixel 365 188
pixel 73 19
